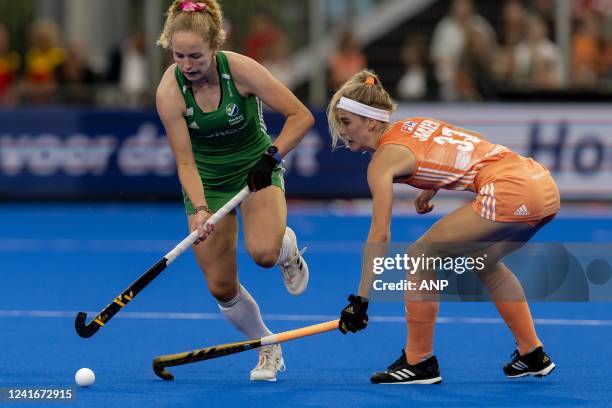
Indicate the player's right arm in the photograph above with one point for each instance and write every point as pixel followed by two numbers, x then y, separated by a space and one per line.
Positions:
pixel 170 107
pixel 388 162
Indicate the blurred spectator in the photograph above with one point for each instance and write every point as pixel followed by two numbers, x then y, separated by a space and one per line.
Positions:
pixel 346 60
pixel 449 40
pixel 586 51
pixel 42 59
pixel 546 9
pixel 512 32
pixel 606 58
pixel 418 81
pixel 276 59
pixel 262 33
pixel 129 67
pixel 9 64
pixel 75 77
pixel 474 76
pixel 601 7
pixel 538 61
pixel 592 44
pixel 134 77
pixel 513 22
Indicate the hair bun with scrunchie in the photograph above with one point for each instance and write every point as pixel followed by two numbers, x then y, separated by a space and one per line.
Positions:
pixel 188 5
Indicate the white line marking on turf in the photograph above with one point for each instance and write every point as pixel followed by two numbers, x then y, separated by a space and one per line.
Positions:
pixel 143 245
pixel 293 317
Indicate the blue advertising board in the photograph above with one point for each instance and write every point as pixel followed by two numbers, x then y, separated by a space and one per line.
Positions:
pixel 65 154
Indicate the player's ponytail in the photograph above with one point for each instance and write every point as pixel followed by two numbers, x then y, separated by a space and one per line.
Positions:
pixel 202 17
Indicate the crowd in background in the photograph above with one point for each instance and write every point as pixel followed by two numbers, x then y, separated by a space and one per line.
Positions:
pixel 52 72
pixel 466 58
pixel 521 54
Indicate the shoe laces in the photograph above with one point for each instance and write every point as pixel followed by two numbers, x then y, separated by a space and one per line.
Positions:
pixel 288 268
pixel 399 362
pixel 515 356
pixel 269 358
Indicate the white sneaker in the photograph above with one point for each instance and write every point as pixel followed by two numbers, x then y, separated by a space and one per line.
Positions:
pixel 270 362
pixel 295 270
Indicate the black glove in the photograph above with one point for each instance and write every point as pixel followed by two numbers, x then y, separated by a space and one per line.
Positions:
pixel 354 317
pixel 260 176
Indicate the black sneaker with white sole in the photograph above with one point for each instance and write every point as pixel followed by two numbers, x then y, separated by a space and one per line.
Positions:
pixel 536 363
pixel 400 372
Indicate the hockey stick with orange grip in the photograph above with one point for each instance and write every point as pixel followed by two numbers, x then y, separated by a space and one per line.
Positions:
pixel 193 356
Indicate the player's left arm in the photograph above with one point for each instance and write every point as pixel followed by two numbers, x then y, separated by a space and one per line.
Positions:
pixel 422 203
pixel 251 77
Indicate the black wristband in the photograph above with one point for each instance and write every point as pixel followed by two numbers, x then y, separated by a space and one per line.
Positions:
pixel 273 151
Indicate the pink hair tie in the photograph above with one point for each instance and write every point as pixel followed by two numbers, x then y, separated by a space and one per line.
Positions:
pixel 191 6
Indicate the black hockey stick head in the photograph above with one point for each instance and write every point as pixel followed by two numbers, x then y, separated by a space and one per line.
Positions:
pixel 85 330
pixel 160 370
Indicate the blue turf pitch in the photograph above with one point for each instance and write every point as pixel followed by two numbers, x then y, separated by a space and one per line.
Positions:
pixel 58 259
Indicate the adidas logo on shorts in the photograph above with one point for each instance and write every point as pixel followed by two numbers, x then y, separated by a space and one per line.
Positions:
pixel 522 210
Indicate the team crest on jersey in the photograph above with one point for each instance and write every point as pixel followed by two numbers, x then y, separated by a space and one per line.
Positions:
pixel 408 127
pixel 232 109
pixel 189 111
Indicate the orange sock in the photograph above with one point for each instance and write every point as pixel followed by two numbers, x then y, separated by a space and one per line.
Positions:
pixel 518 318
pixel 509 297
pixel 421 319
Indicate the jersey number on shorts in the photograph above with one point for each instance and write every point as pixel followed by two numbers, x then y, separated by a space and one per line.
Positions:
pixel 464 143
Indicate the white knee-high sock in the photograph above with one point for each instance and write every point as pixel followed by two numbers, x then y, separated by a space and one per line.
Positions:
pixel 243 312
pixel 285 251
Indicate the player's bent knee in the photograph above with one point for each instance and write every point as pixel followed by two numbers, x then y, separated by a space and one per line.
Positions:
pixel 421 312
pixel 223 292
pixel 265 258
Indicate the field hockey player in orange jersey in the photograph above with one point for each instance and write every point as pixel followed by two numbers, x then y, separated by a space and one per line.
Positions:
pixel 515 197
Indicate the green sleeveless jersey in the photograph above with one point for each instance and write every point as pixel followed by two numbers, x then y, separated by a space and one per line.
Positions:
pixel 226 142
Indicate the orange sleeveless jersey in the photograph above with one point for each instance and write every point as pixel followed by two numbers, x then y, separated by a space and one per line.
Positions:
pixel 447 157
pixel 509 187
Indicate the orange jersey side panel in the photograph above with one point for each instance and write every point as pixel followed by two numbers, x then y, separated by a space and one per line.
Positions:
pixel 447 156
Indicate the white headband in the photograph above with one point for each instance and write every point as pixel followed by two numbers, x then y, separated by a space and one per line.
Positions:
pixel 362 109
